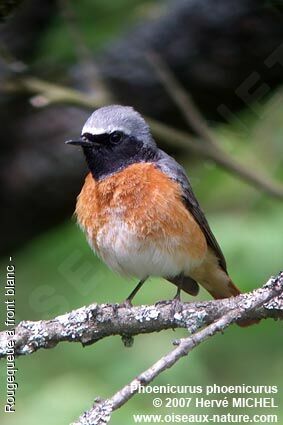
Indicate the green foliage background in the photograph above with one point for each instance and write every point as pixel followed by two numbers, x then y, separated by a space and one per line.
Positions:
pixel 56 385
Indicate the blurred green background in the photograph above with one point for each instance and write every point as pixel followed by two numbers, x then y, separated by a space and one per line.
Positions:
pixel 57 272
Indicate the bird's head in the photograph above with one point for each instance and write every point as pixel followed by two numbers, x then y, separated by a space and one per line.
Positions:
pixel 114 137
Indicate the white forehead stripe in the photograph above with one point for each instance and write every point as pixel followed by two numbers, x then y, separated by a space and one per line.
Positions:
pixel 98 130
pixel 118 118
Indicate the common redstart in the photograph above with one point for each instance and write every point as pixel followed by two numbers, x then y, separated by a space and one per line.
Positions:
pixel 138 209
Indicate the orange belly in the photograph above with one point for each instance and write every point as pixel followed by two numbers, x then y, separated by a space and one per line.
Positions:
pixel 137 223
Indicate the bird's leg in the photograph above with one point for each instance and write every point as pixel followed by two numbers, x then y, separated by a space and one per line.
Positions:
pixel 128 300
pixel 177 299
pixel 178 294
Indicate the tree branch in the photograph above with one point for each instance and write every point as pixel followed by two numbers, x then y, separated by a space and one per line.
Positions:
pixel 244 306
pixel 95 322
pixel 195 120
pixel 90 324
pixel 182 99
pixel 49 93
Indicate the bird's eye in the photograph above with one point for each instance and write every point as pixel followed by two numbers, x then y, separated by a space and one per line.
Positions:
pixel 116 137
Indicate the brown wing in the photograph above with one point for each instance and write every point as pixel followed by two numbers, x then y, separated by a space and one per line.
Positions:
pixel 174 170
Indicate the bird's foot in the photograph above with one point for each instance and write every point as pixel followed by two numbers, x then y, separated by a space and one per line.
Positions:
pixel 176 300
pixel 127 303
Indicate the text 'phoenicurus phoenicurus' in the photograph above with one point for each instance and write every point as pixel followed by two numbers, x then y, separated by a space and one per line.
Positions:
pixel 138 209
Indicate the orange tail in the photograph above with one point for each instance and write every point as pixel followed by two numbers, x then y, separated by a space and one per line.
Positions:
pixel 226 290
pixel 233 292
pixel 217 282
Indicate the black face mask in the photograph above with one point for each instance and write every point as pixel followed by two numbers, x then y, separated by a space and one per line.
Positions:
pixel 107 153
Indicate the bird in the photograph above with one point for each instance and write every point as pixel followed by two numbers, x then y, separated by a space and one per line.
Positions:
pixel 138 209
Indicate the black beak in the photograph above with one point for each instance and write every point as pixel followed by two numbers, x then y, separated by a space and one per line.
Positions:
pixel 80 142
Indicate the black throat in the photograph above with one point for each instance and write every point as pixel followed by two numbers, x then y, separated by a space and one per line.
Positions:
pixel 106 160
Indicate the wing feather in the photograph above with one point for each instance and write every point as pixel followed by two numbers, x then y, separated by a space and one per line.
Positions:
pixel 176 172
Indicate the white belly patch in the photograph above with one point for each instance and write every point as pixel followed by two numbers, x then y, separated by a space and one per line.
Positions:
pixel 128 254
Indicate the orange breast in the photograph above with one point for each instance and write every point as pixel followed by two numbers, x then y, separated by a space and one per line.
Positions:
pixel 147 201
